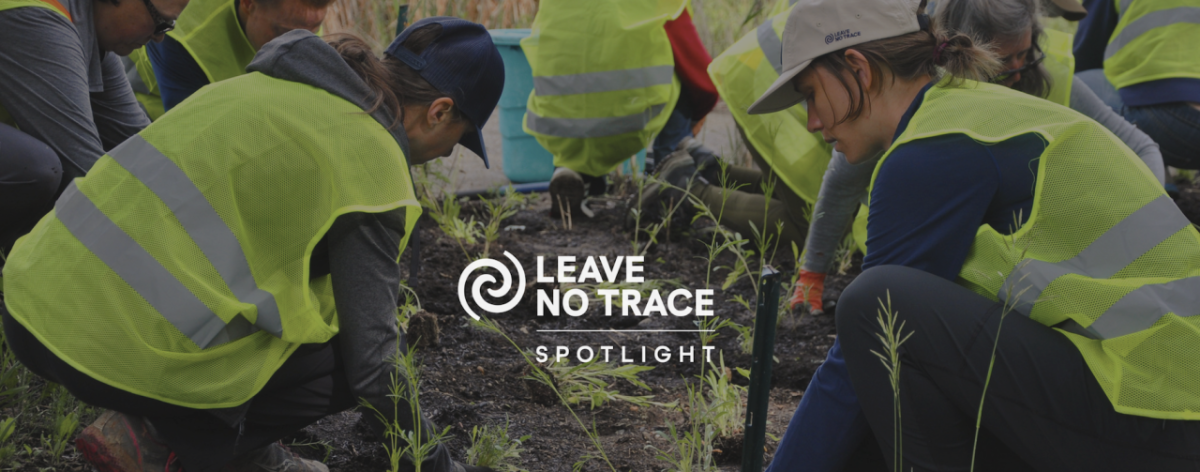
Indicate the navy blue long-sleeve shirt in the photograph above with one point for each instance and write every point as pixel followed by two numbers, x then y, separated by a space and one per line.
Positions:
pixel 928 201
pixel 1091 38
pixel 931 196
pixel 177 72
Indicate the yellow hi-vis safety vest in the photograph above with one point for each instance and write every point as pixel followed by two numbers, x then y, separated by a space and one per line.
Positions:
pixel 54 5
pixel 1059 65
pixel 211 33
pixel 1105 257
pixel 1153 41
pixel 743 73
pixel 603 79
pixel 178 268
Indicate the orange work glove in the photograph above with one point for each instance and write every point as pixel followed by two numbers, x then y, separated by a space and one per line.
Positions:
pixel 809 289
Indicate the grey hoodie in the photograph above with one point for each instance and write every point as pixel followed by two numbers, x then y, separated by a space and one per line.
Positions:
pixel 360 250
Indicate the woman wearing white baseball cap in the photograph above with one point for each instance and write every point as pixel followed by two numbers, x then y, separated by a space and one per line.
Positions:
pixel 988 202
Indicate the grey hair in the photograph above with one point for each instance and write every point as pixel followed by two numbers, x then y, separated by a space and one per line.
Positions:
pixel 993 21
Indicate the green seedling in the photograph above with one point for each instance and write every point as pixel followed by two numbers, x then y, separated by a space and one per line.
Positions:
pixel 725 407
pixel 9 449
pixel 892 338
pixel 1019 288
pixel 691 451
pixel 590 382
pixel 540 375
pixel 416 444
pixel 498 210
pixel 492 447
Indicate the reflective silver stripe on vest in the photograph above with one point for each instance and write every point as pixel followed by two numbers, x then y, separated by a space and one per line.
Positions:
pixel 1108 254
pixel 135 79
pixel 201 221
pixel 771 46
pixel 1148 22
pixel 1143 307
pixel 606 81
pixel 144 273
pixel 591 127
pixel 1114 250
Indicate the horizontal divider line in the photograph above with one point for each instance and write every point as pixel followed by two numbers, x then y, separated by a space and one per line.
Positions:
pixel 625 330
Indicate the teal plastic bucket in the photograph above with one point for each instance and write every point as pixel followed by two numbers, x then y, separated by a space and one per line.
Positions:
pixel 525 160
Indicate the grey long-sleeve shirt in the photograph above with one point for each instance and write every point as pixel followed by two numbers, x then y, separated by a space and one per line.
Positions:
pixel 844 186
pixel 61 88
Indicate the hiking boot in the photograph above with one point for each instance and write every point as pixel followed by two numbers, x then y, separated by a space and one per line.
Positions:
pixel 117 442
pixel 708 163
pixel 675 174
pixel 566 192
pixel 275 458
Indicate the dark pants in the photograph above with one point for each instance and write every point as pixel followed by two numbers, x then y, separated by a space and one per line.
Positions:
pixel 678 127
pixel 1043 404
pixel 308 387
pixel 30 173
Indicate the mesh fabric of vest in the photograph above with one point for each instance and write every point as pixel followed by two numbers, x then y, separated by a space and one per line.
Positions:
pixel 5 117
pixel 742 74
pixel 1162 52
pixel 147 92
pixel 278 161
pixel 1059 64
pixel 1088 181
pixel 211 33
pixel 570 38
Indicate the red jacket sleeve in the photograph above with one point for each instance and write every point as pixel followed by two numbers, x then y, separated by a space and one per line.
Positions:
pixel 691 65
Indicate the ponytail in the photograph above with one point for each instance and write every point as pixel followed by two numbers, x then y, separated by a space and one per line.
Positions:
pixel 393 84
pixel 927 52
pixel 959 56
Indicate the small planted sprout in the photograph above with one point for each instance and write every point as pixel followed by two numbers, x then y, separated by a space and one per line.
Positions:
pixel 492 447
pixel 691 451
pixel 726 404
pixel 892 338
pixel 500 209
pixel 589 382
pixel 419 443
pixel 540 375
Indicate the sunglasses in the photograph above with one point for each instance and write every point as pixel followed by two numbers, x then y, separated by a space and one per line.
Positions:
pixel 161 24
pixel 1005 75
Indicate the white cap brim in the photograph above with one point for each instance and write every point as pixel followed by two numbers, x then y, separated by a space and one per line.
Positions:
pixel 782 94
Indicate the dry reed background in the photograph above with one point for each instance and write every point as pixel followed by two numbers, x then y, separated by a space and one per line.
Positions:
pixel 720 22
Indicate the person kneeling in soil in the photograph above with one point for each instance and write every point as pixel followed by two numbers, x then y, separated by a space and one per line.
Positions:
pixel 1036 62
pixel 990 204
pixel 595 104
pixel 232 268
pixel 789 159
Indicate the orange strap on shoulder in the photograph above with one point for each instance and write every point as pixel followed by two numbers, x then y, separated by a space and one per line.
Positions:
pixel 58 6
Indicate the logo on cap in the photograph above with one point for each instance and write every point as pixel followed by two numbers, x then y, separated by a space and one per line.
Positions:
pixel 840 35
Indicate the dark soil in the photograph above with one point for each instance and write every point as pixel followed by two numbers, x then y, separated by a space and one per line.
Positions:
pixel 475 378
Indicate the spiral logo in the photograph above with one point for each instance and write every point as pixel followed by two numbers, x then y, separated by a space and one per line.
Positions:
pixel 828 39
pixel 503 290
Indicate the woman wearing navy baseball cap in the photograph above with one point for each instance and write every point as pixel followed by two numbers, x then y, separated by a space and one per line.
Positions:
pixel 233 266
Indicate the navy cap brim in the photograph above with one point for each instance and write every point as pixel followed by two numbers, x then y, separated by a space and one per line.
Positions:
pixel 474 142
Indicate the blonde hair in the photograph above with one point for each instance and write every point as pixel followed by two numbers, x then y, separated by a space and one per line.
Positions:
pixel 928 52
